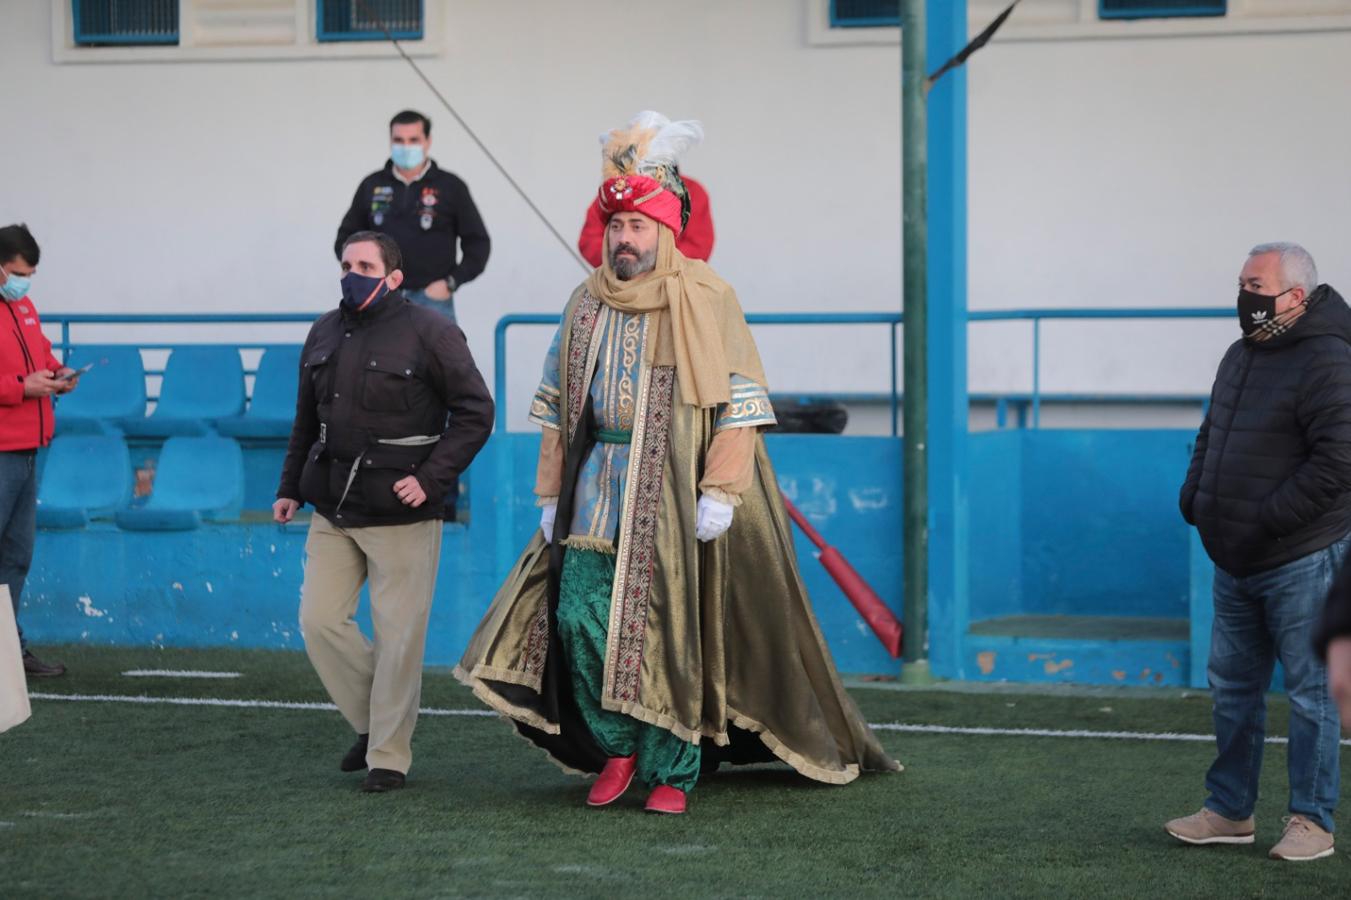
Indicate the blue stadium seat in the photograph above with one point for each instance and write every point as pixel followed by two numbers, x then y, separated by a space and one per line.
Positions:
pixel 197 478
pixel 273 404
pixel 84 476
pixel 201 384
pixel 110 392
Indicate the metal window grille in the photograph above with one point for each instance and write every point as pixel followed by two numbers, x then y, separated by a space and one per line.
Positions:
pixel 864 13
pixel 125 22
pixel 1159 9
pixel 360 20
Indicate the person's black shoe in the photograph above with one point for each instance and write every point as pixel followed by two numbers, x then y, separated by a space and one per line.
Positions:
pixel 355 760
pixel 36 668
pixel 380 780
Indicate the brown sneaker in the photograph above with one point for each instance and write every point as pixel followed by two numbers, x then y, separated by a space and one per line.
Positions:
pixel 1209 827
pixel 1302 841
pixel 36 668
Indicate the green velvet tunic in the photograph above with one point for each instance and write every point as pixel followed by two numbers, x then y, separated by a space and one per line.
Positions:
pixel 583 628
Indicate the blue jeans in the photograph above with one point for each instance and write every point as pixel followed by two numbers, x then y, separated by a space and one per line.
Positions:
pixel 444 307
pixel 1259 619
pixel 18 523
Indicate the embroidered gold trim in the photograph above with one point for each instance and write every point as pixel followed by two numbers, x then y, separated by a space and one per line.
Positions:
pixel 637 550
pixel 646 197
pixel 581 357
pixel 537 644
pixel 587 542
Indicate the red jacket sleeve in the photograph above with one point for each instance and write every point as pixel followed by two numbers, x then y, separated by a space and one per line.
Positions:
pixel 696 241
pixel 592 238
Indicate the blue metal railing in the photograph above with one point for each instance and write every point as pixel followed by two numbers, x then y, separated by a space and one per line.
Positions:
pixel 895 320
pixel 1037 316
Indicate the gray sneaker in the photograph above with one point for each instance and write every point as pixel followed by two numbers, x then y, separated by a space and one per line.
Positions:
pixel 1302 841
pixel 1209 827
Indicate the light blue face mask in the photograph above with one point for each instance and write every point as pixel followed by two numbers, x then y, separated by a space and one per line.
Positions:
pixel 15 287
pixel 407 156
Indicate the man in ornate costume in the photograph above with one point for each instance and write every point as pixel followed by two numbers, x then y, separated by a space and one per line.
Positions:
pixel 657 623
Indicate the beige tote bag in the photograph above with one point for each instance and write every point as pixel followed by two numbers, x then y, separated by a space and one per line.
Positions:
pixel 14 708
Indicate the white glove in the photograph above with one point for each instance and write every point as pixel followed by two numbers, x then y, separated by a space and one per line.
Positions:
pixel 714 517
pixel 546 521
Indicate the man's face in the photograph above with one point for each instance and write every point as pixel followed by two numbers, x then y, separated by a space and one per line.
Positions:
pixel 16 266
pixel 632 239
pixel 1262 275
pixel 410 135
pixel 364 258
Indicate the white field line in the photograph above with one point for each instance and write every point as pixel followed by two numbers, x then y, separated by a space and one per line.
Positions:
pixel 1080 734
pixel 177 673
pixel 236 704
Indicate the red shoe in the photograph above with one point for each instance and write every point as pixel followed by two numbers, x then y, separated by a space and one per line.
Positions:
pixel 666 799
pixel 614 780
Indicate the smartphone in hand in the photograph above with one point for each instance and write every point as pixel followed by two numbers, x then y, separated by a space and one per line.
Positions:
pixel 75 373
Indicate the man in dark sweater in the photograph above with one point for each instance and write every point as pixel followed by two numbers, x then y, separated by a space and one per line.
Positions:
pixel 1269 490
pixel 427 211
pixel 372 452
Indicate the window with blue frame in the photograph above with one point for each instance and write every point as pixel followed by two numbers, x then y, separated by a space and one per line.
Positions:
pixel 124 22
pixel 1159 9
pixel 865 13
pixel 366 20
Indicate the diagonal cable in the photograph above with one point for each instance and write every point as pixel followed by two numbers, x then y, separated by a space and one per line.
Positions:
pixel 474 137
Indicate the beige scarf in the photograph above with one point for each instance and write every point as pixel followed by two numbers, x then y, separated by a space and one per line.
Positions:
pixel 701 329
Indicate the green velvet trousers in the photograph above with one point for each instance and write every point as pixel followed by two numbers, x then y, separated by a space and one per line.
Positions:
pixel 583 623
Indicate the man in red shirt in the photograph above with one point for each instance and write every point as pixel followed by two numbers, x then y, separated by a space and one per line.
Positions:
pixel 29 377
pixel 695 242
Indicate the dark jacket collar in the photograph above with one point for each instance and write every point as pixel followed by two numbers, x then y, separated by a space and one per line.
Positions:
pixel 1327 314
pixel 387 306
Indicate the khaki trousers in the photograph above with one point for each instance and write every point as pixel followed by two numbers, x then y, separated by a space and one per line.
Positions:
pixel 377 686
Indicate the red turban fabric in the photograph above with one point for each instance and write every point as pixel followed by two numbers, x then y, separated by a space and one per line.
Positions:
pixel 638 193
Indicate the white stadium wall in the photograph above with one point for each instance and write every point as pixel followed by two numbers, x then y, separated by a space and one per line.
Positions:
pixel 1109 166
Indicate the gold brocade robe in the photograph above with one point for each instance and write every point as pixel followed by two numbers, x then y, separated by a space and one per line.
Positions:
pixel 715 642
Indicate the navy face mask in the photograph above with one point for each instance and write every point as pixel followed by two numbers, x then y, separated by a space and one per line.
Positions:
pixel 360 292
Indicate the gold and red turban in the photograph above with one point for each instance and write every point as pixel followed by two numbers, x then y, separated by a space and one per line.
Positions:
pixel 640 169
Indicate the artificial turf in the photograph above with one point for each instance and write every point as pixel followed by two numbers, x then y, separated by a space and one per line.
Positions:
pixel 107 799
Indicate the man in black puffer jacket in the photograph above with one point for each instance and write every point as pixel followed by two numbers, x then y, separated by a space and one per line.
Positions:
pixel 1269 490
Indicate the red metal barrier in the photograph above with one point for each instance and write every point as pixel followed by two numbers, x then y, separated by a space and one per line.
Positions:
pixel 870 606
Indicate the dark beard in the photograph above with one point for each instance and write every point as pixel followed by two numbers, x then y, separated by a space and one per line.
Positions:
pixel 628 268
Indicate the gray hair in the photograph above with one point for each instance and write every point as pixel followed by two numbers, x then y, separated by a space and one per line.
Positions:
pixel 1297 267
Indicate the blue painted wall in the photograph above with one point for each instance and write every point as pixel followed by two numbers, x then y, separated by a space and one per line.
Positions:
pixel 1101 524
pixel 1062 522
pixel 996 516
pixel 1078 522
pixel 239 583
